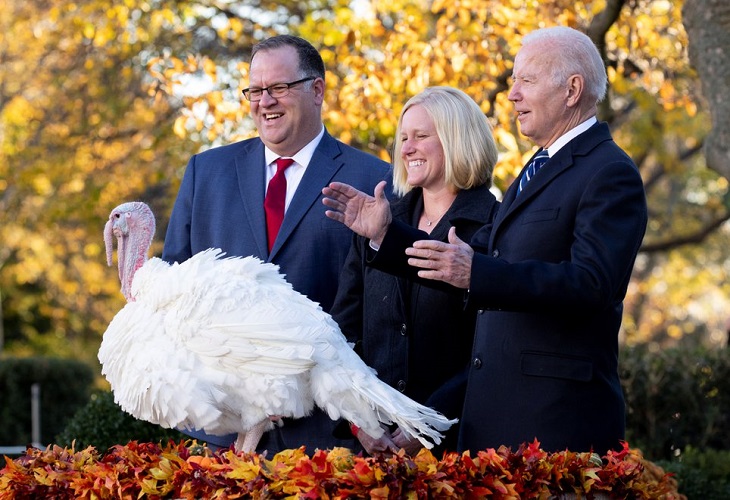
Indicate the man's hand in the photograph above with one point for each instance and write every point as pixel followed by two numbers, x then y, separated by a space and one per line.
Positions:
pixel 374 446
pixel 448 262
pixel 409 443
pixel 368 216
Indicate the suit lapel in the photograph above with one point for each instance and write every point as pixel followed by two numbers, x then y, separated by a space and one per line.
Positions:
pixel 556 165
pixel 251 173
pixel 322 168
pixel 512 202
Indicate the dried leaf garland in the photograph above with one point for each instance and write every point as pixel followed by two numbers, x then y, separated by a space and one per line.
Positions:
pixel 188 470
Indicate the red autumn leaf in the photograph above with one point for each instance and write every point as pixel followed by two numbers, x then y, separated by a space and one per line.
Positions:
pixel 189 470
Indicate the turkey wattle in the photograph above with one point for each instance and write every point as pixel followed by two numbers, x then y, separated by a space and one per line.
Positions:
pixel 225 344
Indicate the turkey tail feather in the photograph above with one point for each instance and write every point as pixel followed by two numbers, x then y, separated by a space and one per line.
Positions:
pixel 351 390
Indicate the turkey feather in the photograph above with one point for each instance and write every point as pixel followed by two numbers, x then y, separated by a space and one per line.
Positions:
pixel 224 344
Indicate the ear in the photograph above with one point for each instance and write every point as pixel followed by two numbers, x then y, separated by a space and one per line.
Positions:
pixel 574 90
pixel 318 88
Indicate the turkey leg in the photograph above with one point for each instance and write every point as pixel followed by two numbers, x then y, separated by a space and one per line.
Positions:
pixel 247 441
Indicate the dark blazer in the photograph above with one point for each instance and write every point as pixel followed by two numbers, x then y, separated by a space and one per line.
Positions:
pixel 550 285
pixel 417 338
pixel 221 204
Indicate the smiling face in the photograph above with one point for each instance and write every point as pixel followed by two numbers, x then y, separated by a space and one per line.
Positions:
pixel 421 150
pixel 542 106
pixel 288 123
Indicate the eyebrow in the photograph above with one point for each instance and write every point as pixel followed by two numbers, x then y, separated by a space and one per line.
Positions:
pixel 416 131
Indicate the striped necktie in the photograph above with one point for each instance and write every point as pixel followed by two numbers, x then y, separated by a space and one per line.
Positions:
pixel 536 164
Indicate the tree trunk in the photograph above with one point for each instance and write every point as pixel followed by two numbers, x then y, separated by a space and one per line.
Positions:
pixel 708 27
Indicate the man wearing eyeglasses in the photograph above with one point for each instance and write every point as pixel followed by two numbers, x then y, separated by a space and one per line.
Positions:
pixel 226 199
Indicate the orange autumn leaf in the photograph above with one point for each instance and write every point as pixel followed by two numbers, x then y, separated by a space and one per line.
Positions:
pixel 187 470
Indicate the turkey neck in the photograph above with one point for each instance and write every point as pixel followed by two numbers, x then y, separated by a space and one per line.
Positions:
pixel 132 248
pixel 132 255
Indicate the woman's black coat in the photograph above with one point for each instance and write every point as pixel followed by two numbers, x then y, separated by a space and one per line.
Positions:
pixel 417 337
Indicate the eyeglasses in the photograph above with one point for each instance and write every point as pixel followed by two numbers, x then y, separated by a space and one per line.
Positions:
pixel 277 90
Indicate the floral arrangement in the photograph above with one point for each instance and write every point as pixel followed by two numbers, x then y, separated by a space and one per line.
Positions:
pixel 188 470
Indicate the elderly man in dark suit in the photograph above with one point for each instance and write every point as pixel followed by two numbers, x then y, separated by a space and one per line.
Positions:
pixel 550 273
pixel 226 198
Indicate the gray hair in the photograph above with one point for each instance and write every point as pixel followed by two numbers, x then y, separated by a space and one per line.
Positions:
pixel 572 52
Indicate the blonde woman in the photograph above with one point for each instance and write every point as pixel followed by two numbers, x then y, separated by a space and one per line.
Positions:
pixel 419 337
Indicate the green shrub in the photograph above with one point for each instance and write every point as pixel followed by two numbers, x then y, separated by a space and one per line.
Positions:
pixel 65 386
pixel 701 474
pixel 102 424
pixel 676 398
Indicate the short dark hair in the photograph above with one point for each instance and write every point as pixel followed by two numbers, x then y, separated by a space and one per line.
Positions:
pixel 310 62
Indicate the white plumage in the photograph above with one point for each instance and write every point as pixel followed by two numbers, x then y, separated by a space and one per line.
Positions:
pixel 226 344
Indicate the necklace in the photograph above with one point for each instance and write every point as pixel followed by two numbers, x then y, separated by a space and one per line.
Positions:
pixel 429 222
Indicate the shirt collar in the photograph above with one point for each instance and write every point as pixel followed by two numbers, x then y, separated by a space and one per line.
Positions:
pixel 570 135
pixel 302 157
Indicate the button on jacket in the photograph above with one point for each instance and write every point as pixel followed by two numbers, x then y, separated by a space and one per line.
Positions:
pixel 220 204
pixel 548 339
pixel 417 337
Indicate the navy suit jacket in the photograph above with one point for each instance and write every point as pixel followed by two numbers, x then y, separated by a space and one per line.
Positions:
pixel 220 204
pixel 549 278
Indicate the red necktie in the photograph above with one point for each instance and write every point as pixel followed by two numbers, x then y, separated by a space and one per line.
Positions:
pixel 276 200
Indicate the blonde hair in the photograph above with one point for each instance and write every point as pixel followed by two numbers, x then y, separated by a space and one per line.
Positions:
pixel 470 151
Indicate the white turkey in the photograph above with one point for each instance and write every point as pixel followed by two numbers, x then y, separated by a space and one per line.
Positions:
pixel 225 344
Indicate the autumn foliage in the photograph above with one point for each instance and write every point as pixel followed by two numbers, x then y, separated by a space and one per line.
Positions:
pixel 105 101
pixel 188 470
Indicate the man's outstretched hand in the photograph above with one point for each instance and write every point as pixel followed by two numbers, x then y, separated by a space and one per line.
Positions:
pixel 368 216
